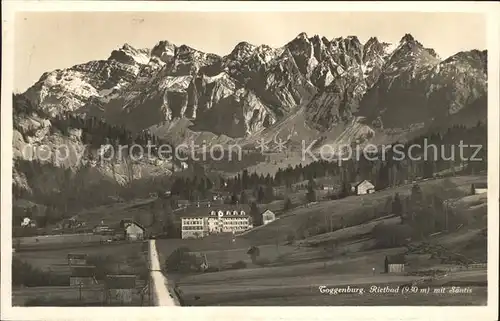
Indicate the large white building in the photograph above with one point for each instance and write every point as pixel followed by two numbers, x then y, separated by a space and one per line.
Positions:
pixel 199 222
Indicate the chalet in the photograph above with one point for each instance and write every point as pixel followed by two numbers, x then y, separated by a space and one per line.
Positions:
pixel 82 275
pixel 267 217
pixel 362 187
pixel 120 288
pixel 394 263
pixel 77 259
pixel 479 188
pixel 133 231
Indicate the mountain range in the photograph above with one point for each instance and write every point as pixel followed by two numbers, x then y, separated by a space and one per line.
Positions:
pixel 312 86
pixel 336 91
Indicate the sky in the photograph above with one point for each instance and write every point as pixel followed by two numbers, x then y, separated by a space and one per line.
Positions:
pixel 45 41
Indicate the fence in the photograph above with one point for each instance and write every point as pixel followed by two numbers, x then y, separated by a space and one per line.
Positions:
pixel 475 266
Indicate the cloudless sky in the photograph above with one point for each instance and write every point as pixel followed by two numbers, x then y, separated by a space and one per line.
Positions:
pixel 45 41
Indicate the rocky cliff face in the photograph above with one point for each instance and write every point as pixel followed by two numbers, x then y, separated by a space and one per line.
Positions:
pixel 251 88
pixel 415 86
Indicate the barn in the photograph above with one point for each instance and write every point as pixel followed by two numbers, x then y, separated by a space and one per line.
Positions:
pixel 133 230
pixel 362 187
pixel 479 188
pixel 394 264
pixel 120 288
pixel 82 275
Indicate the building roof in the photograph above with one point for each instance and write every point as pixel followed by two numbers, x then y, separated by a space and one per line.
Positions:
pixel 204 211
pixel 83 271
pixel 396 259
pixel 267 211
pixel 124 223
pixel 356 184
pixel 122 281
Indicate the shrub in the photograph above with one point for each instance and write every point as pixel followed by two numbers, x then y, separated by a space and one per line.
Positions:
pixel 181 260
pixel 238 265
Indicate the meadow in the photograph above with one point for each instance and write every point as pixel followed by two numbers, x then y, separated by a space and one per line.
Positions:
pixel 295 270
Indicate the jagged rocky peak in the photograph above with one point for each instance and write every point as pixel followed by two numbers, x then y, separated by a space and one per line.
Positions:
pixel 242 50
pixel 475 55
pixel 407 38
pixel 373 43
pixel 130 55
pixel 409 41
pixel 347 44
pixel 302 36
pixel 184 49
pixel 163 50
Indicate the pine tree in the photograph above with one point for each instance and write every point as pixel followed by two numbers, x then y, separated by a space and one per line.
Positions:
pixel 243 198
pixel 261 195
pixel 255 214
pixel 311 193
pixel 397 206
pixel 288 205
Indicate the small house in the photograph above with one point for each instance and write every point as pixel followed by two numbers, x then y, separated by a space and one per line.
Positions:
pixel 183 203
pixel 120 288
pixel 479 188
pixel 133 231
pixel 362 187
pixel 102 229
pixel 28 222
pixel 77 259
pixel 267 217
pixel 82 275
pixel 394 264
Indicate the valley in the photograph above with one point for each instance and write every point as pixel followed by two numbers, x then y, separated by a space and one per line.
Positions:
pixel 335 223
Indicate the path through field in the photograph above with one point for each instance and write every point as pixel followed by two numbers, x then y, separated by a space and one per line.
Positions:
pixel 161 295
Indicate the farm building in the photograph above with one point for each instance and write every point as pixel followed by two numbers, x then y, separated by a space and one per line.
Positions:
pixel 82 275
pixel 479 188
pixel 133 230
pixel 77 259
pixel 268 217
pixel 120 288
pixel 183 203
pixel 362 187
pixel 28 222
pixel 394 264
pixel 102 229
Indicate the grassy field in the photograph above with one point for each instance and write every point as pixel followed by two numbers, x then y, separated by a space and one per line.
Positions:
pixel 299 285
pixel 72 295
pixel 56 259
pixel 119 258
pixel 356 209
